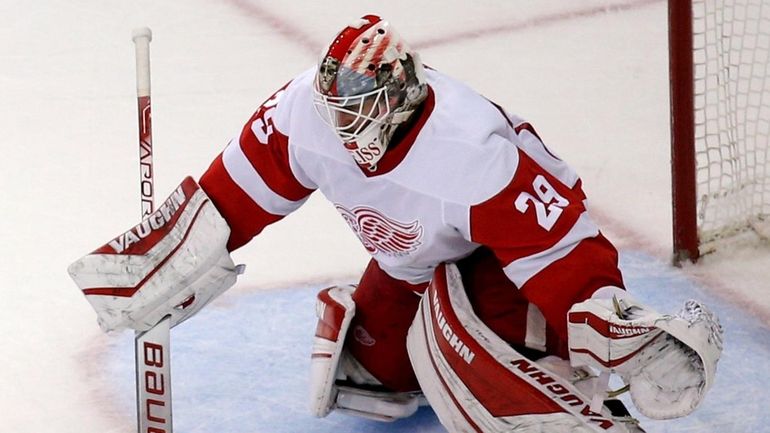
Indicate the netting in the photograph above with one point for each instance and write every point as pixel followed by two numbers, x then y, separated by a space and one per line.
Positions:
pixel 731 41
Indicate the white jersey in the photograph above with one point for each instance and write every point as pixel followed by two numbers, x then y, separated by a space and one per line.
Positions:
pixel 465 174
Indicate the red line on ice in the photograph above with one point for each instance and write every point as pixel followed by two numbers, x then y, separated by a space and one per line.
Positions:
pixel 309 44
pixel 283 27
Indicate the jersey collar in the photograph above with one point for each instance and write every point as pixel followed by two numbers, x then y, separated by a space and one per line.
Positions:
pixel 403 139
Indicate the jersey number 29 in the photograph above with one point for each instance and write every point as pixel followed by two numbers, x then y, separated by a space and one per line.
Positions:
pixel 548 203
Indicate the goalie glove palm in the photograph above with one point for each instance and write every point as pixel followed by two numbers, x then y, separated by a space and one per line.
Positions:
pixel 681 367
pixel 669 381
pixel 669 361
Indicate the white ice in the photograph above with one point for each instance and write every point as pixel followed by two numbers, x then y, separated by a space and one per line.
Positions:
pixel 591 75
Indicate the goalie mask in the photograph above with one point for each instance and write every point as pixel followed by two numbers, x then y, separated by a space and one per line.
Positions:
pixel 368 82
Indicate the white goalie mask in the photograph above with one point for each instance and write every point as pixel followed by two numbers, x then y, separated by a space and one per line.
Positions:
pixel 368 82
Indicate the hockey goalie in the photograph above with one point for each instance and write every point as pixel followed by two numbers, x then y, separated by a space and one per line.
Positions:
pixel 491 294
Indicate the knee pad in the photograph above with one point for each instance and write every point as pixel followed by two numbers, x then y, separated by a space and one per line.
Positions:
pixel 476 382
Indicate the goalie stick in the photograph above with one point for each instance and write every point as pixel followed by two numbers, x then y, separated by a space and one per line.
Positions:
pixel 151 347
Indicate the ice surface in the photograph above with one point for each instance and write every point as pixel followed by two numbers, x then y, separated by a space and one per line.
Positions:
pixel 591 77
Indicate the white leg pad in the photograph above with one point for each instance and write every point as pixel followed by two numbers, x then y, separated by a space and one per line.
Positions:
pixel 331 366
pixel 335 309
pixel 476 382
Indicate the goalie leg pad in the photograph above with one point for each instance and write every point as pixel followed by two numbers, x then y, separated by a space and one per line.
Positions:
pixel 337 380
pixel 172 263
pixel 476 382
pixel 335 309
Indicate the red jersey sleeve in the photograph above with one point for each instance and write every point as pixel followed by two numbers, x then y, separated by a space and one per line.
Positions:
pixel 541 233
pixel 253 182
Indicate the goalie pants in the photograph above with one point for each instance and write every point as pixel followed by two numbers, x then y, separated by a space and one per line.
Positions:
pixel 385 308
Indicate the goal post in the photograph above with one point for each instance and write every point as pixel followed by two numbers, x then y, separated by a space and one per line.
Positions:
pixel 682 130
pixel 719 70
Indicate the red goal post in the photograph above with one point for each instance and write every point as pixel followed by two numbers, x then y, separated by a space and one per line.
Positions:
pixel 719 66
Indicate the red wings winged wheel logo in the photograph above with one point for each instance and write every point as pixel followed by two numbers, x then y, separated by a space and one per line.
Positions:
pixel 381 234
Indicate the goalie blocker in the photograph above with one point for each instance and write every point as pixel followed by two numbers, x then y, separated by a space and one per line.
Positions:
pixel 172 263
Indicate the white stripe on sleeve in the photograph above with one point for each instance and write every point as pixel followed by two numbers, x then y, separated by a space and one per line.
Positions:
pixel 246 177
pixel 521 270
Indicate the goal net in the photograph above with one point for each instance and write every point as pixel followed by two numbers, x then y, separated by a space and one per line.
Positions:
pixel 730 133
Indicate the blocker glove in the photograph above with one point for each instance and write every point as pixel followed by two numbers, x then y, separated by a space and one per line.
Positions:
pixel 172 263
